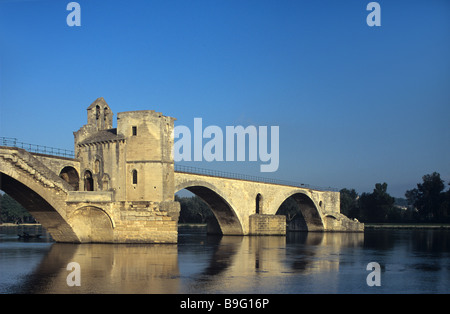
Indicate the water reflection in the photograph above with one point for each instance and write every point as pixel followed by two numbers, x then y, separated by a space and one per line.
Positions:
pixel 107 268
pixel 207 264
pixel 432 241
pixel 327 246
pixel 411 261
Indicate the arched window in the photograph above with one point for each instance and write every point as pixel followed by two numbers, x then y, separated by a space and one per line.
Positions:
pixel 96 166
pixel 88 181
pixel 259 204
pixel 70 175
pixel 105 182
pixel 134 172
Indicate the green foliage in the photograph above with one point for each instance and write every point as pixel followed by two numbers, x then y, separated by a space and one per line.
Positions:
pixel 349 203
pixel 426 203
pixel 401 201
pixel 193 210
pixel 11 211
pixel 375 206
pixel 445 206
pixel 432 203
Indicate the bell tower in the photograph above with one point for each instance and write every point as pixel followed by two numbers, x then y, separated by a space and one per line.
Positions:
pixel 100 115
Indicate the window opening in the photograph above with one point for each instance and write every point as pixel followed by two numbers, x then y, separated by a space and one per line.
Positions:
pixel 134 176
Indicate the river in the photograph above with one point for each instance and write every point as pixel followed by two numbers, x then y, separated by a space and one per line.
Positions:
pixel 411 261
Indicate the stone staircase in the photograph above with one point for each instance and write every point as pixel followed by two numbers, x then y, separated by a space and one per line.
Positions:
pixel 25 162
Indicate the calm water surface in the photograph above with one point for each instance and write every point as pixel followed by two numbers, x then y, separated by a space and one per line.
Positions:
pixel 412 261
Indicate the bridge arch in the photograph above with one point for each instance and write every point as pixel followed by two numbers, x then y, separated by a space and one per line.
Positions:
pixel 92 224
pixel 229 223
pixel 311 218
pixel 40 202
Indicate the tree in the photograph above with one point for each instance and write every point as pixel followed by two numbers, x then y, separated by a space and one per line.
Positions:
pixel 375 206
pixel 349 203
pixel 445 206
pixel 429 198
pixel 193 210
pixel 12 211
pixel 411 196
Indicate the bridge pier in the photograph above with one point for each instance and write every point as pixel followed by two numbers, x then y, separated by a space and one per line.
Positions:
pixel 95 220
pixel 267 224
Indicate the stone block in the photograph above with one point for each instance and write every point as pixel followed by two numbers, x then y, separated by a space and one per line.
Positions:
pixel 267 224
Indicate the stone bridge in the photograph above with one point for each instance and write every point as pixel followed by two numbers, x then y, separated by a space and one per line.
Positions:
pixel 244 207
pixel 120 187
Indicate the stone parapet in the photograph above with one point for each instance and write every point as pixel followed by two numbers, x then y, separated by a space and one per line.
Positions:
pixel 90 197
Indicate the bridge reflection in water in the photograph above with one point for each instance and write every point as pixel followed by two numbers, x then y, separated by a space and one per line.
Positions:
pixel 198 264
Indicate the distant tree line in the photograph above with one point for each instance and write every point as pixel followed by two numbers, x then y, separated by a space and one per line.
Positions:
pixel 12 212
pixel 426 203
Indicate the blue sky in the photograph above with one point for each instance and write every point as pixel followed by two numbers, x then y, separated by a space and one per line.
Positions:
pixel 356 105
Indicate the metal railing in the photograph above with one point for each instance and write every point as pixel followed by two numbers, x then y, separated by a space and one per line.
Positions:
pixel 34 148
pixel 239 176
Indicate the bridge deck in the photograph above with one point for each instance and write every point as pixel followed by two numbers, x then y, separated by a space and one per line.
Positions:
pixel 244 177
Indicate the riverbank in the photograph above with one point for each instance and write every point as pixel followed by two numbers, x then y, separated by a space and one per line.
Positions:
pixel 192 225
pixel 406 226
pixel 9 224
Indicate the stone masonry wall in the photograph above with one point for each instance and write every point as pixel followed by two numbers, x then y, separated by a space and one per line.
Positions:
pixel 145 222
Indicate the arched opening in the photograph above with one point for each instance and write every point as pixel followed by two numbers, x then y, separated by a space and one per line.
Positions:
pixel 105 182
pixel 195 214
pixel 301 213
pixel 39 207
pixel 97 112
pixel 258 204
pixel 97 166
pixel 70 175
pixel 92 224
pixel 88 181
pixel 220 217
